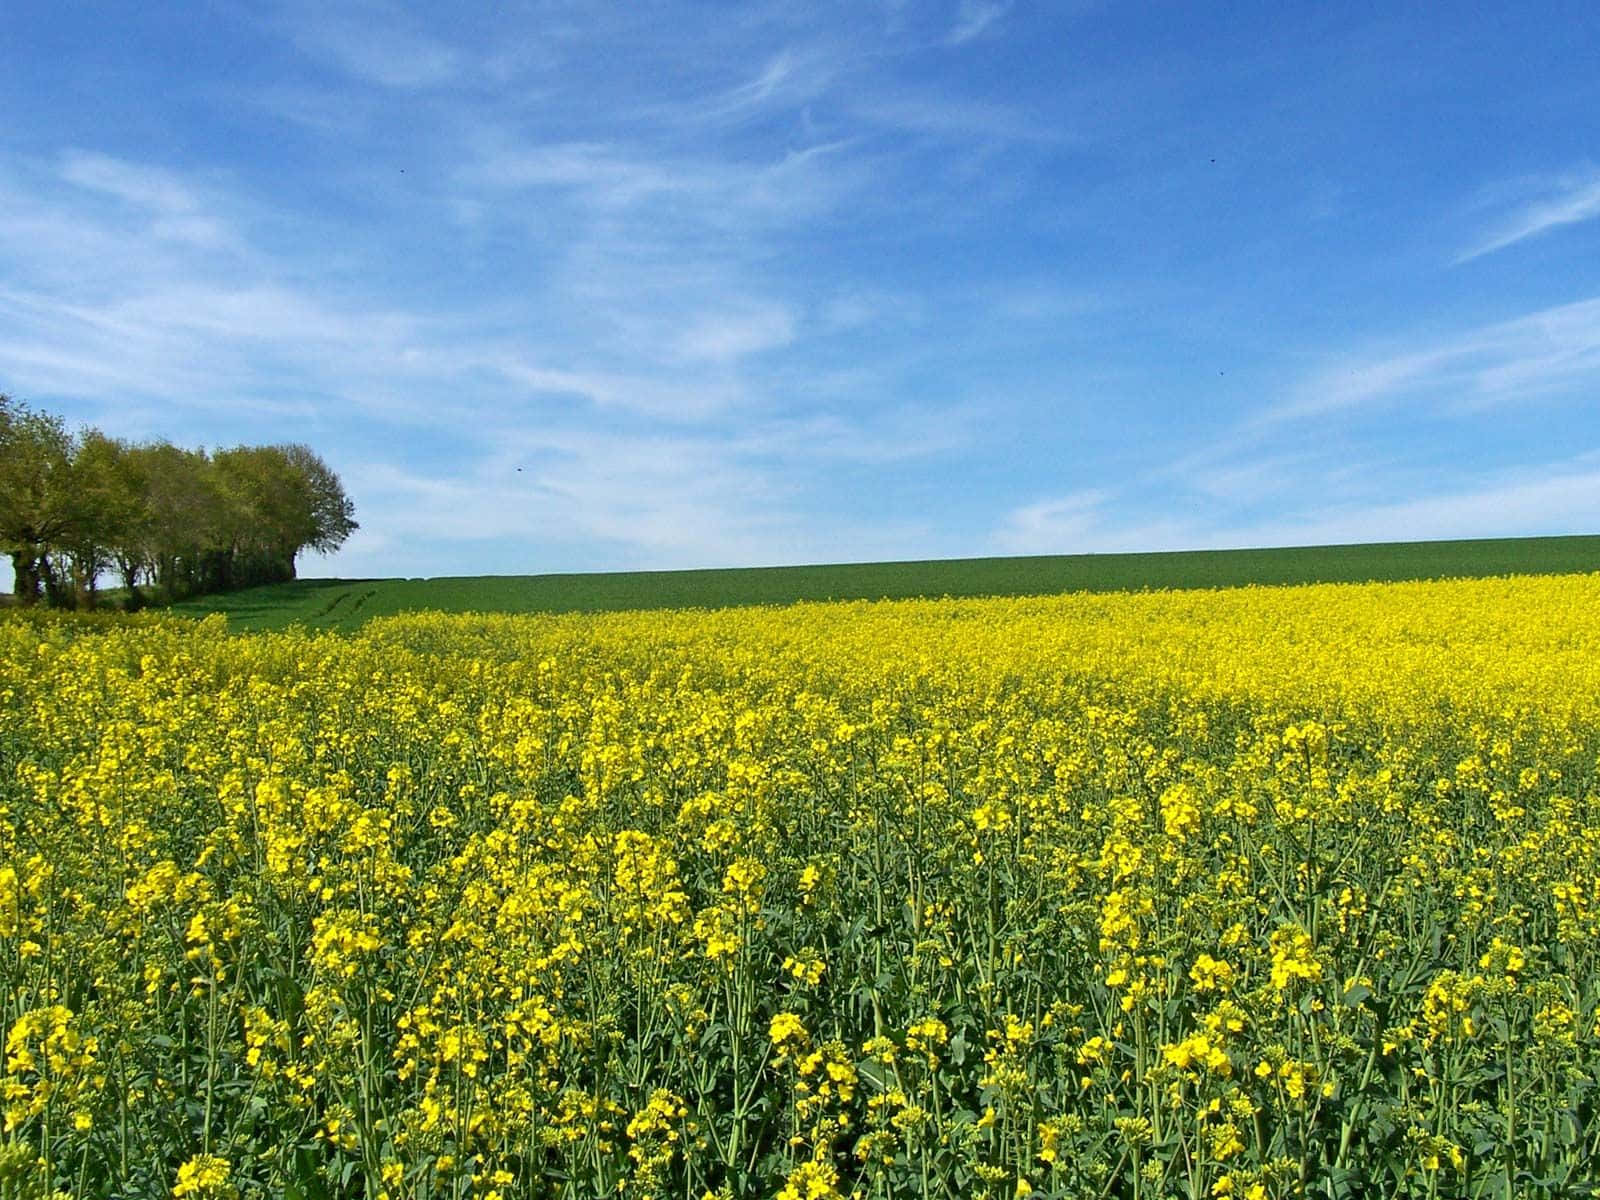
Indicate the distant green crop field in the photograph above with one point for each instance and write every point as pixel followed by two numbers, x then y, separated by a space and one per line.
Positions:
pixel 345 604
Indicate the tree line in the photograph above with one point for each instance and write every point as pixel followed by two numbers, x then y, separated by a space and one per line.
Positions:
pixel 76 506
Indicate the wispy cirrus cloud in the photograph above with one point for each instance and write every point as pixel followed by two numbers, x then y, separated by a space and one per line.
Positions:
pixel 779 71
pixel 613 178
pixel 145 186
pixel 662 258
pixel 605 175
pixel 725 336
pixel 83 218
pixel 1052 525
pixel 648 394
pixel 1541 353
pixel 974 18
pixel 1576 199
pixel 794 76
pixel 958 119
pixel 627 443
pixel 375 42
pixel 648 498
pixel 1556 497
pixel 1552 498
pixel 130 284
pixel 328 112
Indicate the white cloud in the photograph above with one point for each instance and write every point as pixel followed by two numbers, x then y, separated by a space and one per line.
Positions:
pixel 200 346
pixel 1061 525
pixel 791 77
pixel 1540 353
pixel 891 436
pixel 660 189
pixel 1557 498
pixel 1260 477
pixel 973 18
pixel 605 176
pixel 1575 201
pixel 260 312
pixel 1027 300
pixel 145 187
pixel 724 337
pixel 175 211
pixel 779 70
pixel 323 110
pixel 1561 497
pixel 693 400
pixel 955 118
pixel 869 307
pixel 661 264
pixel 371 43
pixel 95 311
pixel 608 499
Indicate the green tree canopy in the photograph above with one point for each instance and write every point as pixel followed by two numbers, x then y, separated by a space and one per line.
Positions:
pixel 185 521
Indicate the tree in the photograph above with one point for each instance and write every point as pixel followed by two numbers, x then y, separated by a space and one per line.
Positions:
pixel 277 501
pixel 184 515
pixel 105 510
pixel 35 494
pixel 130 541
pixel 261 516
pixel 330 515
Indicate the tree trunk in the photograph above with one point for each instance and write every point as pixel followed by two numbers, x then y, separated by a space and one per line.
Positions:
pixel 82 588
pixel 129 570
pixel 26 565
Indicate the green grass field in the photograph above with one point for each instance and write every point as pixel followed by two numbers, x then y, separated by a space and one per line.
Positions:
pixel 345 604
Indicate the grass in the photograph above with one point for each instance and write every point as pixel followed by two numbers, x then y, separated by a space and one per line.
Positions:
pixel 346 604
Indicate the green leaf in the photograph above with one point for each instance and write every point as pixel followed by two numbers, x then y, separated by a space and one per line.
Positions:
pixel 1355 996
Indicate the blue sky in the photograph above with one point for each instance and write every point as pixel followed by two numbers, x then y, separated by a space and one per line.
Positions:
pixel 569 286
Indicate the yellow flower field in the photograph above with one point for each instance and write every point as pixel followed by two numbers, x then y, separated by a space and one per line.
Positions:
pixel 1255 893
